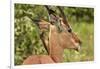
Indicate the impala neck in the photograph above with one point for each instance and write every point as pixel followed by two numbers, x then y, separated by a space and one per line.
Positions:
pixel 55 50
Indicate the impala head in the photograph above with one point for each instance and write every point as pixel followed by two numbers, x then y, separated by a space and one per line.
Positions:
pixel 66 39
pixel 69 39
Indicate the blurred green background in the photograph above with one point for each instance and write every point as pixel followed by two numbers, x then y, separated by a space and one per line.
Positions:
pixel 26 34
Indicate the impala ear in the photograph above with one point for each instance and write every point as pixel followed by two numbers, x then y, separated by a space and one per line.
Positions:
pixel 42 24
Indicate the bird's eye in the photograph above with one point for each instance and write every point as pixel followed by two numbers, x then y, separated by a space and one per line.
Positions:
pixel 69 30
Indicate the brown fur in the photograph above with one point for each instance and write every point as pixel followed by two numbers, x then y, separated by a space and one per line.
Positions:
pixel 56 45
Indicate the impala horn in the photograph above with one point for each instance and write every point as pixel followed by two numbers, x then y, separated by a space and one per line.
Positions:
pixel 65 21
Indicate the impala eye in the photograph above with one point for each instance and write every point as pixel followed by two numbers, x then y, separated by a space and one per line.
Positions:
pixel 69 30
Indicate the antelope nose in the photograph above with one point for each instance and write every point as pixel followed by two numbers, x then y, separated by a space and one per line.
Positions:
pixel 78 46
pixel 79 43
pixel 77 49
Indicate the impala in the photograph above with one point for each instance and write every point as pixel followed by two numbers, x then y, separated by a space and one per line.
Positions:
pixel 56 42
